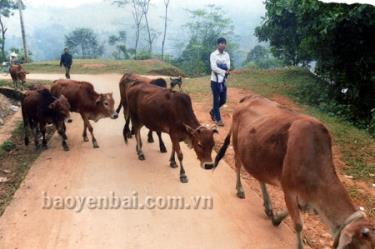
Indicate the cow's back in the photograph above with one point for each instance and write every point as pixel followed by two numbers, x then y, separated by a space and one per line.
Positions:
pixel 261 133
pixel 35 104
pixel 160 109
pixel 81 95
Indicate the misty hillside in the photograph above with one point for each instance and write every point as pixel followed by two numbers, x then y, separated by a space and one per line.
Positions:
pixel 47 26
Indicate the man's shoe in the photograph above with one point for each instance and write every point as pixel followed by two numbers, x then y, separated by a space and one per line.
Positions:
pixel 212 115
pixel 219 123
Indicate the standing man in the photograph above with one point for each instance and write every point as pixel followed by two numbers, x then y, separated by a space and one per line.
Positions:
pixel 67 61
pixel 220 65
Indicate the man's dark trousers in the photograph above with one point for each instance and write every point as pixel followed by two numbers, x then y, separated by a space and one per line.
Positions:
pixel 219 93
pixel 67 72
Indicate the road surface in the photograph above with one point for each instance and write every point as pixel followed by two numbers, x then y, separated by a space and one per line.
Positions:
pixel 84 173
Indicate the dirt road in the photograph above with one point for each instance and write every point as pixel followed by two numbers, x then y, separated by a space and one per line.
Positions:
pixel 113 169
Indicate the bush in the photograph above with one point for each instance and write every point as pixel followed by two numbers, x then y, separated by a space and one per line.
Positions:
pixel 143 55
pixel 8 146
pixel 371 128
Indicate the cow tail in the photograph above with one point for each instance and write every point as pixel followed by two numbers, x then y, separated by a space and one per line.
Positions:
pixel 223 149
pixel 119 108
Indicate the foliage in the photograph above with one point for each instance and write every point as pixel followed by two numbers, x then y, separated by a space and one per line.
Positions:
pixel 261 57
pixel 8 146
pixel 119 42
pixel 338 36
pixel 204 27
pixel 83 43
pixel 6 10
pixel 21 54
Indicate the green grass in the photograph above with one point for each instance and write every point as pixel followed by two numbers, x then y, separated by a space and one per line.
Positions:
pixel 356 146
pixel 150 67
pixel 9 83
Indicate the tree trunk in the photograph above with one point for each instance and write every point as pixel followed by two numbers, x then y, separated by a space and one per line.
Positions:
pixel 149 35
pixel 23 30
pixel 166 2
pixel 3 31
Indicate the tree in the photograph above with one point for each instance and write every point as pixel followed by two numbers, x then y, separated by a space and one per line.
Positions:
pixel 6 10
pixel 204 27
pixel 339 37
pixel 145 4
pixel 281 29
pixel 166 4
pixel 257 53
pixel 83 43
pixel 120 42
pixel 21 6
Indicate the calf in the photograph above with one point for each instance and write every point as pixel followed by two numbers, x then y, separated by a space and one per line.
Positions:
pixel 39 108
pixel 293 151
pixel 126 80
pixel 176 81
pixel 163 110
pixel 87 102
pixel 18 74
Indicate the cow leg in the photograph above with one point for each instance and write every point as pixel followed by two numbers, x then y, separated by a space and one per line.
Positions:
pixel 276 218
pixel 172 159
pixel 180 156
pixel 161 143
pixel 150 138
pixel 292 205
pixel 125 131
pixel 91 130
pixel 43 131
pixel 137 128
pixel 239 188
pixel 34 130
pixel 26 131
pixel 62 133
pixel 84 134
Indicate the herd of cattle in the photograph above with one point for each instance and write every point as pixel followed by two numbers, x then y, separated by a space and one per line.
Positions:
pixel 274 144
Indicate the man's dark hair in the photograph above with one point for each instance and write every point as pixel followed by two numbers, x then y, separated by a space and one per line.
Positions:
pixel 221 40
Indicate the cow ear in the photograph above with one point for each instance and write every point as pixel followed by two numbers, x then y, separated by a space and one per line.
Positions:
pixel 52 105
pixel 98 99
pixel 189 129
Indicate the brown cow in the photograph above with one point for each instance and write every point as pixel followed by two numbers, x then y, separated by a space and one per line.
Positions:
pixel 163 110
pixel 84 100
pixel 40 108
pixel 18 74
pixel 293 151
pixel 126 80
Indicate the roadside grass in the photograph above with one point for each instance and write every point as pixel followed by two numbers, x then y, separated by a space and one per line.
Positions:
pixel 29 83
pixel 100 66
pixel 15 161
pixel 356 146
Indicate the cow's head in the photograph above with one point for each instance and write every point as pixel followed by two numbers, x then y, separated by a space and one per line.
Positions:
pixel 201 139
pixel 106 105
pixel 61 108
pixel 20 72
pixel 359 234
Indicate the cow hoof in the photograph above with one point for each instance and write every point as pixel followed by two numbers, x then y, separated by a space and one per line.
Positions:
pixel 184 179
pixel 141 157
pixel 163 150
pixel 150 140
pixel 241 195
pixel 66 148
pixel 45 146
pixel 85 139
pixel 95 145
pixel 173 165
pixel 27 141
